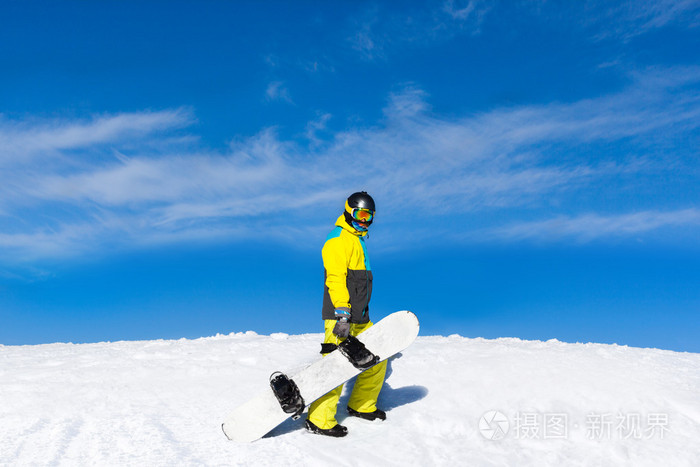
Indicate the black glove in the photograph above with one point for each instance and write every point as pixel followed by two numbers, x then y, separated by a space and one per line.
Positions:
pixel 342 327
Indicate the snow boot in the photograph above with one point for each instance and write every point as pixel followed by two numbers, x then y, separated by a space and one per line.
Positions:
pixel 337 431
pixel 377 414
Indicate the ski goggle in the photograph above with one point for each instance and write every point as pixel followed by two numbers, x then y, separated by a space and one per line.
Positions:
pixel 362 215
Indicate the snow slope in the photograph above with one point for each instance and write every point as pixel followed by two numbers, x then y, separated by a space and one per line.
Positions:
pixel 162 403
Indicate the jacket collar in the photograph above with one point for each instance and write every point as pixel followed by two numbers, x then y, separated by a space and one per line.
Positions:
pixel 344 225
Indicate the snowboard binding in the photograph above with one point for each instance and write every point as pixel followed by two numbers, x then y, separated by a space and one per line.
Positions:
pixel 357 353
pixel 287 393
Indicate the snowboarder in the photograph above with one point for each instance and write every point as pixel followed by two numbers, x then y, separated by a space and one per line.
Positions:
pixel 347 292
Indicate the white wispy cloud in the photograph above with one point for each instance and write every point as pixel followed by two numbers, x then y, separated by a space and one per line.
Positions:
pixel 379 28
pixel 455 171
pixel 277 91
pixel 631 19
pixel 23 140
pixel 589 227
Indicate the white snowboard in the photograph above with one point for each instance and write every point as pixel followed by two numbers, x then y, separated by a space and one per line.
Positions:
pixel 260 415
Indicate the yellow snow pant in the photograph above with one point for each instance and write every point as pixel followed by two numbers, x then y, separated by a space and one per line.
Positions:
pixel 364 393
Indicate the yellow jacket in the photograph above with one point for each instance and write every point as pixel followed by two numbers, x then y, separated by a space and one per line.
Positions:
pixel 348 275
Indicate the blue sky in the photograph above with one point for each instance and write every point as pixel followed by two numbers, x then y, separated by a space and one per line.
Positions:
pixel 171 169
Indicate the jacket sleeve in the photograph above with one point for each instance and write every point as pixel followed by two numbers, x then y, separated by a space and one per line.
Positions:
pixel 335 261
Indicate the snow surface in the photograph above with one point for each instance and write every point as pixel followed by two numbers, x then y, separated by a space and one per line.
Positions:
pixel 162 403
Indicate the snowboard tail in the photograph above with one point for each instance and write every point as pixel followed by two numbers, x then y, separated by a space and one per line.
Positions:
pixel 288 397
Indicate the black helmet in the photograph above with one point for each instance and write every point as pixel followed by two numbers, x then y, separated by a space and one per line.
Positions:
pixel 361 200
pixel 359 211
